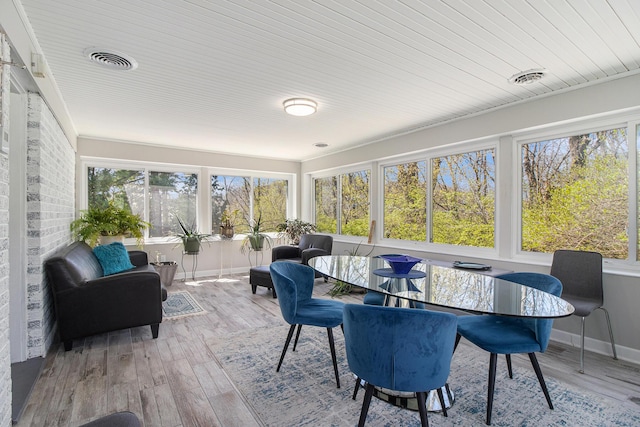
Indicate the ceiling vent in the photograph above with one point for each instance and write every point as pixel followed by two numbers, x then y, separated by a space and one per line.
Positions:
pixel 111 59
pixel 527 77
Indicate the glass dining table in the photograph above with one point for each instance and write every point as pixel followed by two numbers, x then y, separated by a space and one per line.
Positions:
pixel 431 282
pixel 439 284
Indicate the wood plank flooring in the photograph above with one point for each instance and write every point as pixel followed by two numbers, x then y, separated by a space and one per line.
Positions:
pixel 176 381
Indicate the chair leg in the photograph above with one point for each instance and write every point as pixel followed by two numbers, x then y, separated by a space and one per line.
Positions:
pixel 536 367
pixel 365 404
pixel 286 344
pixel 458 336
pixel 356 388
pixel 509 367
pixel 155 328
pixel 613 344
pixel 493 359
pixel 333 355
pixel 582 346
pixel 295 343
pixel 421 397
pixel 441 399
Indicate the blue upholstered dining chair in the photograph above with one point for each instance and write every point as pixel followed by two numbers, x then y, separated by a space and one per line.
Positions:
pixel 294 286
pixel 399 349
pixel 510 335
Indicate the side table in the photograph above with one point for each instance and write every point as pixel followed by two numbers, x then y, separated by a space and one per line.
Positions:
pixel 166 270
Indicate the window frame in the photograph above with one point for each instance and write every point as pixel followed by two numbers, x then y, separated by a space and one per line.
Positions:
pixel 338 172
pixel 583 126
pixel 203 194
pixel 252 174
pixel 428 155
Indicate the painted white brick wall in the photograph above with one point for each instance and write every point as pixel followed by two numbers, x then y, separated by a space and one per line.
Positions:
pixel 5 354
pixel 50 210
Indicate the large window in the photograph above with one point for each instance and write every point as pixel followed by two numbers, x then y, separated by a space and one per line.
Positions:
pixel 172 195
pixel 405 201
pixel 270 202
pixel 230 194
pixel 248 199
pixel 326 204
pixel 125 188
pixel 575 193
pixel 463 199
pixel 342 203
pixel 354 212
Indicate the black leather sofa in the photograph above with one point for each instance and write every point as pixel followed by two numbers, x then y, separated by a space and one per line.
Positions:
pixel 311 245
pixel 86 303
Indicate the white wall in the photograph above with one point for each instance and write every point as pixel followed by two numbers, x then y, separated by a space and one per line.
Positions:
pixel 50 175
pixel 5 362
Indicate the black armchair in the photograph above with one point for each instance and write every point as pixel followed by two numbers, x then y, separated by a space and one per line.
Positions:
pixel 311 245
pixel 88 303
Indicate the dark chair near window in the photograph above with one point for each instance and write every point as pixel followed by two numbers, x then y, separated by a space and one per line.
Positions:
pixel 510 335
pixel 294 286
pixel 399 349
pixel 581 275
pixel 311 245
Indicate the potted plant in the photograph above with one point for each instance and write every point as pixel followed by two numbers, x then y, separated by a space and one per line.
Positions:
pixel 227 223
pixel 98 225
pixel 255 238
pixel 191 238
pixel 294 228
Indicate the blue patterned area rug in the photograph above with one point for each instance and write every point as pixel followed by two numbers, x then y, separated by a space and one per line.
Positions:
pixel 180 304
pixel 304 392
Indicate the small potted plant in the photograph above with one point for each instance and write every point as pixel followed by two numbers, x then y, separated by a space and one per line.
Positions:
pixel 255 238
pixel 103 225
pixel 227 224
pixel 294 228
pixel 191 238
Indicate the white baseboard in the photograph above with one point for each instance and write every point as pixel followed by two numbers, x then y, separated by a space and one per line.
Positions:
pixel 180 275
pixel 596 346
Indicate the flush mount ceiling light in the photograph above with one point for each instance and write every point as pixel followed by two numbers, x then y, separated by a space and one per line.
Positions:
pixel 300 106
pixel 527 77
pixel 111 59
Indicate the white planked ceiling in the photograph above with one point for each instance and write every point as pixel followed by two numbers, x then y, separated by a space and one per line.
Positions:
pixel 213 75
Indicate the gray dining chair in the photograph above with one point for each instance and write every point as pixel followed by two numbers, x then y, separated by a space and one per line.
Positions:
pixel 581 275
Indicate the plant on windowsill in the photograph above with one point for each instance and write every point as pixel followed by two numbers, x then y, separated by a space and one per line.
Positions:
pixel 256 239
pixel 100 225
pixel 294 228
pixel 191 238
pixel 227 223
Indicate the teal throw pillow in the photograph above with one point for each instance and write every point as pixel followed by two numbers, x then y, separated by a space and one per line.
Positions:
pixel 113 258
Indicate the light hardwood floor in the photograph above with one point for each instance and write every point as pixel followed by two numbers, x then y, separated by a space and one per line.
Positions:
pixel 176 380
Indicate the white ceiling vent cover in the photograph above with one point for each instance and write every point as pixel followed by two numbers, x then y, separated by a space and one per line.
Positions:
pixel 111 59
pixel 528 77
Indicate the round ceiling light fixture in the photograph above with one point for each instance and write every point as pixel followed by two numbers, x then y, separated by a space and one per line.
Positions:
pixel 528 77
pixel 111 59
pixel 300 106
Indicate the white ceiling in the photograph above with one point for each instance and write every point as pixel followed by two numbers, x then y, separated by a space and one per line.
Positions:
pixel 213 75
